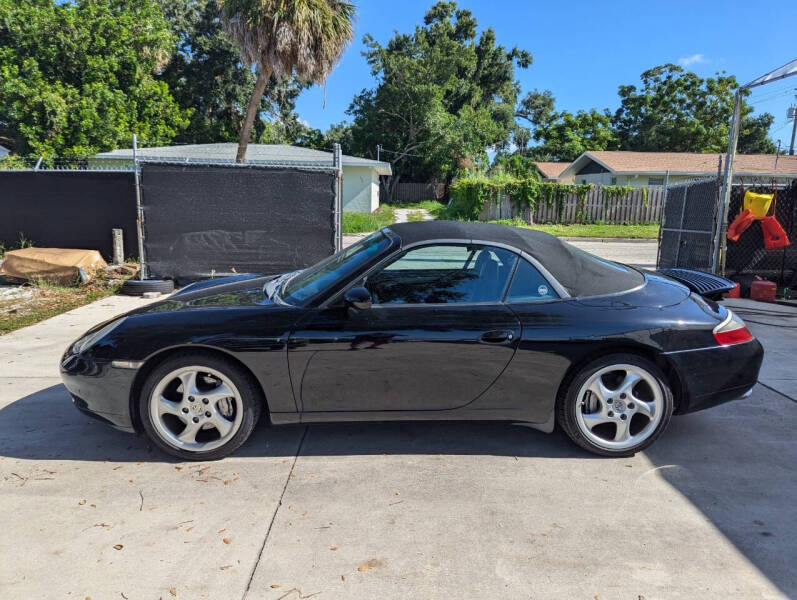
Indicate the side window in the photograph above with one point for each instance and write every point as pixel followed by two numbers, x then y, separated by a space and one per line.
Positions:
pixel 528 285
pixel 444 274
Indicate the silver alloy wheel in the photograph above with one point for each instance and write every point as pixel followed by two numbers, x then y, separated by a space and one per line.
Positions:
pixel 619 406
pixel 196 408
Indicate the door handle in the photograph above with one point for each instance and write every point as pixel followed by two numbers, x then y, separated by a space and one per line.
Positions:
pixel 498 337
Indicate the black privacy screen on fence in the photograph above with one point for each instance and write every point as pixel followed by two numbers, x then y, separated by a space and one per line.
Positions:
pixel 203 221
pixel 68 209
pixel 687 230
pixel 748 255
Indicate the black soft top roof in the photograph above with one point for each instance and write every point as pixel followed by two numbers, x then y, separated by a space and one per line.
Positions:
pixel 579 272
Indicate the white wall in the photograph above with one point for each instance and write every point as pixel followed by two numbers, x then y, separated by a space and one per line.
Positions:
pixel 641 180
pixel 360 189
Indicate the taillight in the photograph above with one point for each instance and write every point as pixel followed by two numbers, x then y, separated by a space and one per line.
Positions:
pixel 732 331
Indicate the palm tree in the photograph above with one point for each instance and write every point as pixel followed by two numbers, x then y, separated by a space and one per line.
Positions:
pixel 286 37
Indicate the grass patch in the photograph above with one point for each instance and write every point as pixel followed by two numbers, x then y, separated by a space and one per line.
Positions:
pixel 434 208
pixel 356 222
pixel 47 300
pixel 591 230
pixel 414 216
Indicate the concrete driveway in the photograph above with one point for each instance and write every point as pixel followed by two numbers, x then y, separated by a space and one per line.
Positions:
pixel 416 510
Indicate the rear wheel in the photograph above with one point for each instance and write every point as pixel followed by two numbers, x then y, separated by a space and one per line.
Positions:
pixel 199 407
pixel 616 405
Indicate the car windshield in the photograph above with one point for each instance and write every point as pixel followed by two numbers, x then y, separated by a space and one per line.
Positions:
pixel 313 280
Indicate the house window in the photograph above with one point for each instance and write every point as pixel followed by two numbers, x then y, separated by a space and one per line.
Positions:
pixel 655 180
pixel 614 180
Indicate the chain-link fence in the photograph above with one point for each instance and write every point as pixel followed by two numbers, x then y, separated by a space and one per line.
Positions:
pixel 688 223
pixel 193 218
pixel 748 257
pixel 204 220
pixel 42 164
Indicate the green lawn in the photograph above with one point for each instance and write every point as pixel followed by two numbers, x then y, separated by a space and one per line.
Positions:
pixel 355 222
pixel 591 230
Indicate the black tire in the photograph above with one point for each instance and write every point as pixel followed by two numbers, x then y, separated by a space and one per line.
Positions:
pixel 251 400
pixel 568 403
pixel 137 287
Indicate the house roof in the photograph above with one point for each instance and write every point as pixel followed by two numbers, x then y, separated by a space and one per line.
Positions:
pixel 685 163
pixel 256 153
pixel 4 151
pixel 552 170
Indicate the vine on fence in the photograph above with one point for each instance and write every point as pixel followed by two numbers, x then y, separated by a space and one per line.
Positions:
pixel 612 192
pixel 469 195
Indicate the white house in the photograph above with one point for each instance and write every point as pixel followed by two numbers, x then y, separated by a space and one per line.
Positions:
pixel 4 152
pixel 360 175
pixel 641 169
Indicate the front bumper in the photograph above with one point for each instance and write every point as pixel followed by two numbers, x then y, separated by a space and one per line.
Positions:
pixel 100 390
pixel 711 376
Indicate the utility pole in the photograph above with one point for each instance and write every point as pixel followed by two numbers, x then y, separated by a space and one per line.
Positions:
pixel 379 149
pixel 793 112
pixel 787 70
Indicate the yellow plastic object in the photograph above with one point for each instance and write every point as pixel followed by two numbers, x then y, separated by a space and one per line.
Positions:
pixel 758 204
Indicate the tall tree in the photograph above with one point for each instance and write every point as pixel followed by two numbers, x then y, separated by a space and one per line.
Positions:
pixel 283 38
pixel 673 111
pixel 443 95
pixel 205 74
pixel 563 136
pixel 81 77
pixel 678 111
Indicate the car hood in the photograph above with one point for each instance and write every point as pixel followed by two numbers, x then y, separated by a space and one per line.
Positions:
pixel 226 292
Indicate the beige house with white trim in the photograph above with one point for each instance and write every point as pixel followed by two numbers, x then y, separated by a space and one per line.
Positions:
pixel 643 169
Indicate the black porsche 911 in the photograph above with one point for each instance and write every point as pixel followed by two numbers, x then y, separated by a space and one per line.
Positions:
pixel 435 320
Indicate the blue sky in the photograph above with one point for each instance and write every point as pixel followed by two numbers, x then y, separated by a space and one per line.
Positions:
pixel 584 50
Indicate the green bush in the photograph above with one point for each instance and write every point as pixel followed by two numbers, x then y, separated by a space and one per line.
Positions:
pixel 469 194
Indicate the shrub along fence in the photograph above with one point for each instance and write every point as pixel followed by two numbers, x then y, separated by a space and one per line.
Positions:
pixel 538 202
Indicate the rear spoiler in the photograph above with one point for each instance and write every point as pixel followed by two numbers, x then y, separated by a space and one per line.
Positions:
pixel 706 284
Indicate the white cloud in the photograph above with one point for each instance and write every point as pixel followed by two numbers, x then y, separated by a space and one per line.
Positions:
pixel 694 59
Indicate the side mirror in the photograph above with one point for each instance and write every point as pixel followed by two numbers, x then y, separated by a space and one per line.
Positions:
pixel 359 298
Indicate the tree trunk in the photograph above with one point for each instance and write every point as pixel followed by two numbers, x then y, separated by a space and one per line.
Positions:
pixel 263 76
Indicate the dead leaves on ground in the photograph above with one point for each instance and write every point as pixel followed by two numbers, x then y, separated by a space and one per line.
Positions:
pixel 370 564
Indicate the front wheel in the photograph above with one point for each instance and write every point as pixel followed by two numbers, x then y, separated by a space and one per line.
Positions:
pixel 616 405
pixel 199 407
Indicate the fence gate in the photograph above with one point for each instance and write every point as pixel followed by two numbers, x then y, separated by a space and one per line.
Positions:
pixel 203 220
pixel 688 224
pixel 748 256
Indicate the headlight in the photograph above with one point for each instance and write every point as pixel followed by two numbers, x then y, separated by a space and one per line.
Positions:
pixel 89 340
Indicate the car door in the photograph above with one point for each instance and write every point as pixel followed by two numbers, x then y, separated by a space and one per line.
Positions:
pixel 436 337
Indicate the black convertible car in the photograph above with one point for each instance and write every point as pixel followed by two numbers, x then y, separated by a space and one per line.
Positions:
pixel 436 320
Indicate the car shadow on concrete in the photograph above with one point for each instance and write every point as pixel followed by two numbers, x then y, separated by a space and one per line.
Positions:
pixel 45 426
pixel 737 464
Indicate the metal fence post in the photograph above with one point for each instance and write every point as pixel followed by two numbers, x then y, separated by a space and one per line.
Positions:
pixel 337 162
pixel 661 215
pixel 139 211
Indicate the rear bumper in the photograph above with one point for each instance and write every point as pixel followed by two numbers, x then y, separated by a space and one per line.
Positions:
pixel 711 376
pixel 100 390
